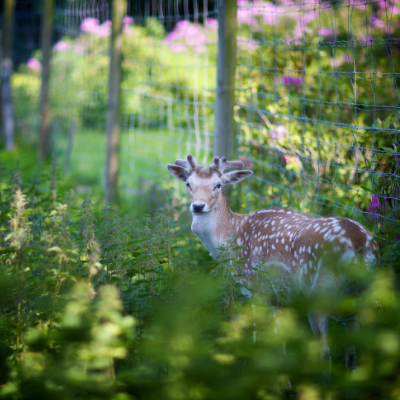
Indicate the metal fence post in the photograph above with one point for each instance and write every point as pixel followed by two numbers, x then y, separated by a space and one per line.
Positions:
pixel 47 33
pixel 6 70
pixel 113 127
pixel 224 130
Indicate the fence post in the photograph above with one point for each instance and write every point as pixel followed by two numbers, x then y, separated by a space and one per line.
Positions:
pixel 113 127
pixel 6 70
pixel 47 34
pixel 224 125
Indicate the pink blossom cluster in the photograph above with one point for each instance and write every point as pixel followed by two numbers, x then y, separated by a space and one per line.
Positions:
pixel 127 22
pixel 387 7
pixel 375 207
pixel 34 64
pixel 257 13
pixel 278 132
pixel 211 23
pixel 92 26
pixel 291 81
pixel 61 47
pixel 326 32
pixel 188 35
pixel 376 22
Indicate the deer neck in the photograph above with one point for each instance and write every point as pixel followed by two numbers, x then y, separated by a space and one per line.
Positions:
pixel 216 227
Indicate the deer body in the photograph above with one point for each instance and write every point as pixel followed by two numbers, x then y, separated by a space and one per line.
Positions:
pixel 295 242
pixel 298 246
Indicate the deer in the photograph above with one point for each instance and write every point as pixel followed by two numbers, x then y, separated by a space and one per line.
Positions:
pixel 295 244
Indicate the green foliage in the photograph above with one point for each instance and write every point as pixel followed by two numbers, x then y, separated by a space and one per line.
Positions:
pixel 155 28
pixel 104 306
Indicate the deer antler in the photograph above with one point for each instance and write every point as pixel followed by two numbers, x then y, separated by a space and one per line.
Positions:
pixel 222 164
pixel 189 164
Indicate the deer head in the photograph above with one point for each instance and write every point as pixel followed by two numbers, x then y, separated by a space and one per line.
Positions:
pixel 204 184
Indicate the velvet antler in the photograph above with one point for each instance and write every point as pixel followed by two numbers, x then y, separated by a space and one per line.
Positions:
pixel 222 164
pixel 189 164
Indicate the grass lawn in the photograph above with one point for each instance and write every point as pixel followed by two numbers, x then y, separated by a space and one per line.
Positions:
pixel 144 156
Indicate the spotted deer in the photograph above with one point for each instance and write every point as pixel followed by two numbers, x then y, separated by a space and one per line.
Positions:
pixel 294 244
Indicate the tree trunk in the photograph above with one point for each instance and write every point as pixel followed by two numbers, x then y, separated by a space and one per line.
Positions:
pixel 113 127
pixel 6 70
pixel 224 126
pixel 47 34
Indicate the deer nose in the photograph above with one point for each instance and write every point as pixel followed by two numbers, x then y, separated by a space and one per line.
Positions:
pixel 198 207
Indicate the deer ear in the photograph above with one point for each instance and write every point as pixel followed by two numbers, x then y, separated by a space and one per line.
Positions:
pixel 177 172
pixel 235 176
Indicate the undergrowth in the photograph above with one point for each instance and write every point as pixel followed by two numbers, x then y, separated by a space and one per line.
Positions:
pixel 103 305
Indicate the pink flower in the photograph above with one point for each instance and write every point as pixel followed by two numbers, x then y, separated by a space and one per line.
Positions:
pixel 127 20
pixel 249 165
pixel 187 35
pixel 269 13
pixel 245 16
pixel 104 29
pixel 92 25
pixel 34 64
pixel 211 23
pixel 395 10
pixel 172 36
pixel 249 11
pixel 374 208
pixel 89 25
pixel 61 46
pixel 377 23
pixel 279 132
pixel 292 81
pixel 182 25
pixel 325 32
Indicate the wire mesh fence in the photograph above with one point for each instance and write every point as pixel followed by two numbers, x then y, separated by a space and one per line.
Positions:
pixel 318 103
pixel 317 99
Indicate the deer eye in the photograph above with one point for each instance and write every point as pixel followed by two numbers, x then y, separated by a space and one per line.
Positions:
pixel 218 186
pixel 188 185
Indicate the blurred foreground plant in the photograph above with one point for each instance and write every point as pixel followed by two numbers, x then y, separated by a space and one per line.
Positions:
pixel 108 307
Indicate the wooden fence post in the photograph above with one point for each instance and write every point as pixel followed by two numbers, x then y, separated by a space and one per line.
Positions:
pixel 224 125
pixel 6 70
pixel 47 34
pixel 113 127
